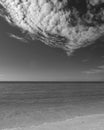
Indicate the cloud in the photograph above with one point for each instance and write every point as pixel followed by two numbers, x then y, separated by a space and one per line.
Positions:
pixel 56 23
pixel 18 38
pixel 98 70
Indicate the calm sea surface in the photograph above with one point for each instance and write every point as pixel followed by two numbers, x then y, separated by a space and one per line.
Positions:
pixel 28 103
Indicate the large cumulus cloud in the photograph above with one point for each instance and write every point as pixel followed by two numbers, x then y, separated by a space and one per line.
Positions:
pixel 67 24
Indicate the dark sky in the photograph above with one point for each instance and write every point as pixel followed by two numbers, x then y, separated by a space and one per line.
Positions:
pixel 35 61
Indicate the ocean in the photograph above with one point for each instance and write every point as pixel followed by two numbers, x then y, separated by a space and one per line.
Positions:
pixel 32 103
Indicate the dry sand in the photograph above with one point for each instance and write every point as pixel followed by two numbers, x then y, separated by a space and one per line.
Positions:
pixel 91 122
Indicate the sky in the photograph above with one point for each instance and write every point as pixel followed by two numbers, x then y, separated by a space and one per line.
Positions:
pixel 35 61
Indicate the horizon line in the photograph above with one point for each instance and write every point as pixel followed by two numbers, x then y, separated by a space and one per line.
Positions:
pixel 50 81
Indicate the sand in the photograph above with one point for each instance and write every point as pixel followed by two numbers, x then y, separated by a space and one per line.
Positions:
pixel 90 122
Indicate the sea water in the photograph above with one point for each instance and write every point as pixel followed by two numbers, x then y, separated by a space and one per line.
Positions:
pixel 33 103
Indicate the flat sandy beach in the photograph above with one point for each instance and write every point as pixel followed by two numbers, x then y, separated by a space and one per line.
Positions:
pixel 90 122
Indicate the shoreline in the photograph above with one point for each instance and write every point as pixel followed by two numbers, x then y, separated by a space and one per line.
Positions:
pixel 89 122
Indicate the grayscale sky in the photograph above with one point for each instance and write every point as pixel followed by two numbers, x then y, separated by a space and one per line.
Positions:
pixel 34 61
